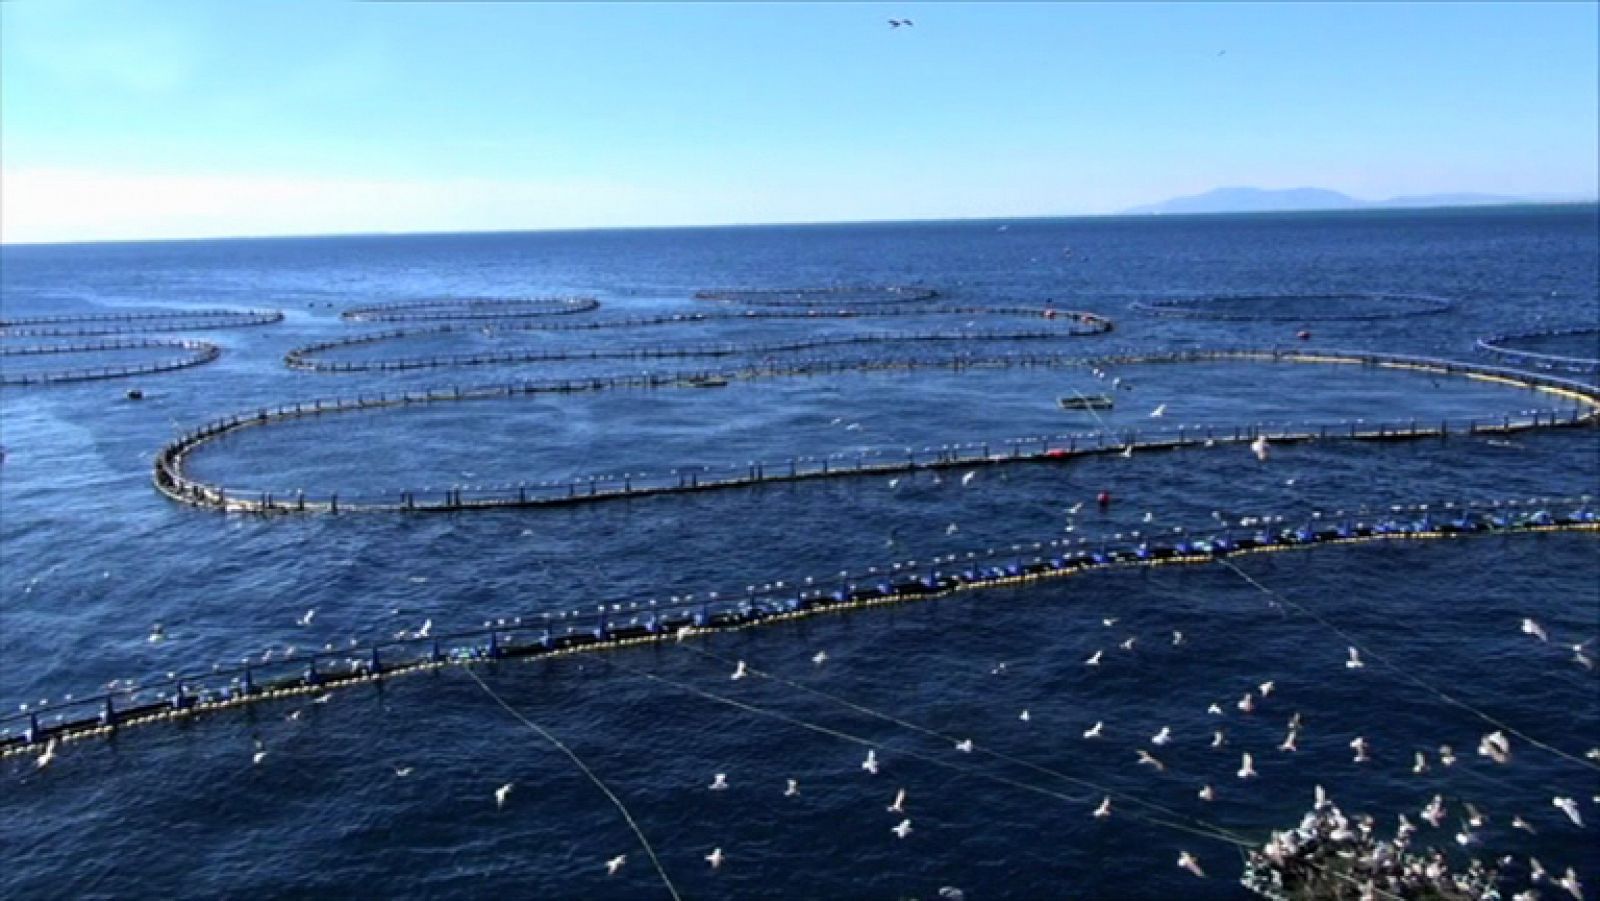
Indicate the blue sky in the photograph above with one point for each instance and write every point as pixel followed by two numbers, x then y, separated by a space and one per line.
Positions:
pixel 170 119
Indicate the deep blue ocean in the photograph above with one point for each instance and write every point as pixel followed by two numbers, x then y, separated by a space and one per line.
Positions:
pixel 92 557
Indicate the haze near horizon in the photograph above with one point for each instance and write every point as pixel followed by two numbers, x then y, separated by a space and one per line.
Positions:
pixel 175 120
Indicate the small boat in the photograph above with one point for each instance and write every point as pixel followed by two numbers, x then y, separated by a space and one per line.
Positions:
pixel 706 381
pixel 135 394
pixel 1086 402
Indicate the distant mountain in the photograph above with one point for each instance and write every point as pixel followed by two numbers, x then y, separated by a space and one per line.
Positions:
pixel 1263 200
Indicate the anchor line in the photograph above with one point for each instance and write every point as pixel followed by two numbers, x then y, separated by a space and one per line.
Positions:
pixel 1216 833
pixel 1414 679
pixel 578 762
pixel 999 755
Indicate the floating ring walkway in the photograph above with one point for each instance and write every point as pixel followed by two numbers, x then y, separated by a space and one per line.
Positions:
pixel 1215 307
pixel 82 325
pixel 621 625
pixel 837 296
pixel 171 479
pixel 470 308
pixel 303 358
pixel 198 353
pixel 1496 344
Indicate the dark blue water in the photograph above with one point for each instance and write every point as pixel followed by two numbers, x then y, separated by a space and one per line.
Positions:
pixel 91 556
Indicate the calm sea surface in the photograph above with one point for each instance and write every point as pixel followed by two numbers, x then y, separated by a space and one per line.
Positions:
pixel 91 558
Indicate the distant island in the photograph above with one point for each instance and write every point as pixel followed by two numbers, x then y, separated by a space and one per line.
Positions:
pixel 1263 200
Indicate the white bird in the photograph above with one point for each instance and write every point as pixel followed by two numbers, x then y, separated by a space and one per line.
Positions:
pixel 1073 510
pixel 1355 659
pixel 1319 797
pixel 902 830
pixel 306 619
pixel 1570 808
pixel 715 858
pixel 967 479
pixel 427 626
pixel 1127 451
pixel 1259 447
pixel 260 754
pixel 1158 412
pixel 1496 747
pixel 683 632
pixel 1536 871
pixel 1475 817
pixel 899 802
pixel 1518 822
pixel 719 782
pixel 1571 884
pixel 322 698
pixel 1361 747
pixel 1162 737
pixel 739 671
pixel 501 793
pixel 1177 638
pixel 1108 621
pixel 964 746
pixel 1128 645
pixel 792 789
pixel 871 763
pixel 1580 658
pixel 1218 739
pixel 1146 758
pixel 1104 810
pixel 1187 861
pixel 402 771
pixel 1094 659
pixel 1149 516
pixel 1207 793
pixel 1266 688
pixel 820 658
pixel 615 864
pixel 1248 702
pixel 894 483
pixel 1434 812
pixel 951 893
pixel 1095 730
pixel 951 529
pixel 1529 627
pixel 157 633
pixel 1247 766
pixel 48 757
pixel 1447 755
pixel 1421 765
pixel 1025 717
pixel 1288 741
pixel 1215 709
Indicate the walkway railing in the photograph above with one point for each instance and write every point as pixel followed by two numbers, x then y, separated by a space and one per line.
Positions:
pixel 171 479
pixel 200 352
pixel 632 622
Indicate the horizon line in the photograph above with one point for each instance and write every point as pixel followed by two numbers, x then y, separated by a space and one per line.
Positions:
pixel 1031 217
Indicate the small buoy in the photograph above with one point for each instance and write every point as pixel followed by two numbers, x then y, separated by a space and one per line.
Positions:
pixel 1104 499
pixel 1303 335
pixel 135 394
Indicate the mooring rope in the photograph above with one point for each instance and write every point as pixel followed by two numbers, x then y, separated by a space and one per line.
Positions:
pixel 1207 830
pixel 578 762
pixel 976 747
pixel 1412 677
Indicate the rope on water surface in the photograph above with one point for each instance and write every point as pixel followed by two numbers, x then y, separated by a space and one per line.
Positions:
pixel 1414 679
pixel 1212 832
pixel 578 761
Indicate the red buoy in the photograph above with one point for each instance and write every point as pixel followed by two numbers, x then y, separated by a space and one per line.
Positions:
pixel 1303 335
pixel 1104 499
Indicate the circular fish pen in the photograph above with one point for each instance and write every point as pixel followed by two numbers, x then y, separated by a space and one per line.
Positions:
pixel 460 308
pixel 1332 307
pixel 1567 350
pixel 1068 324
pixel 172 478
pixel 83 325
pixel 839 297
pixel 624 623
pixel 195 353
